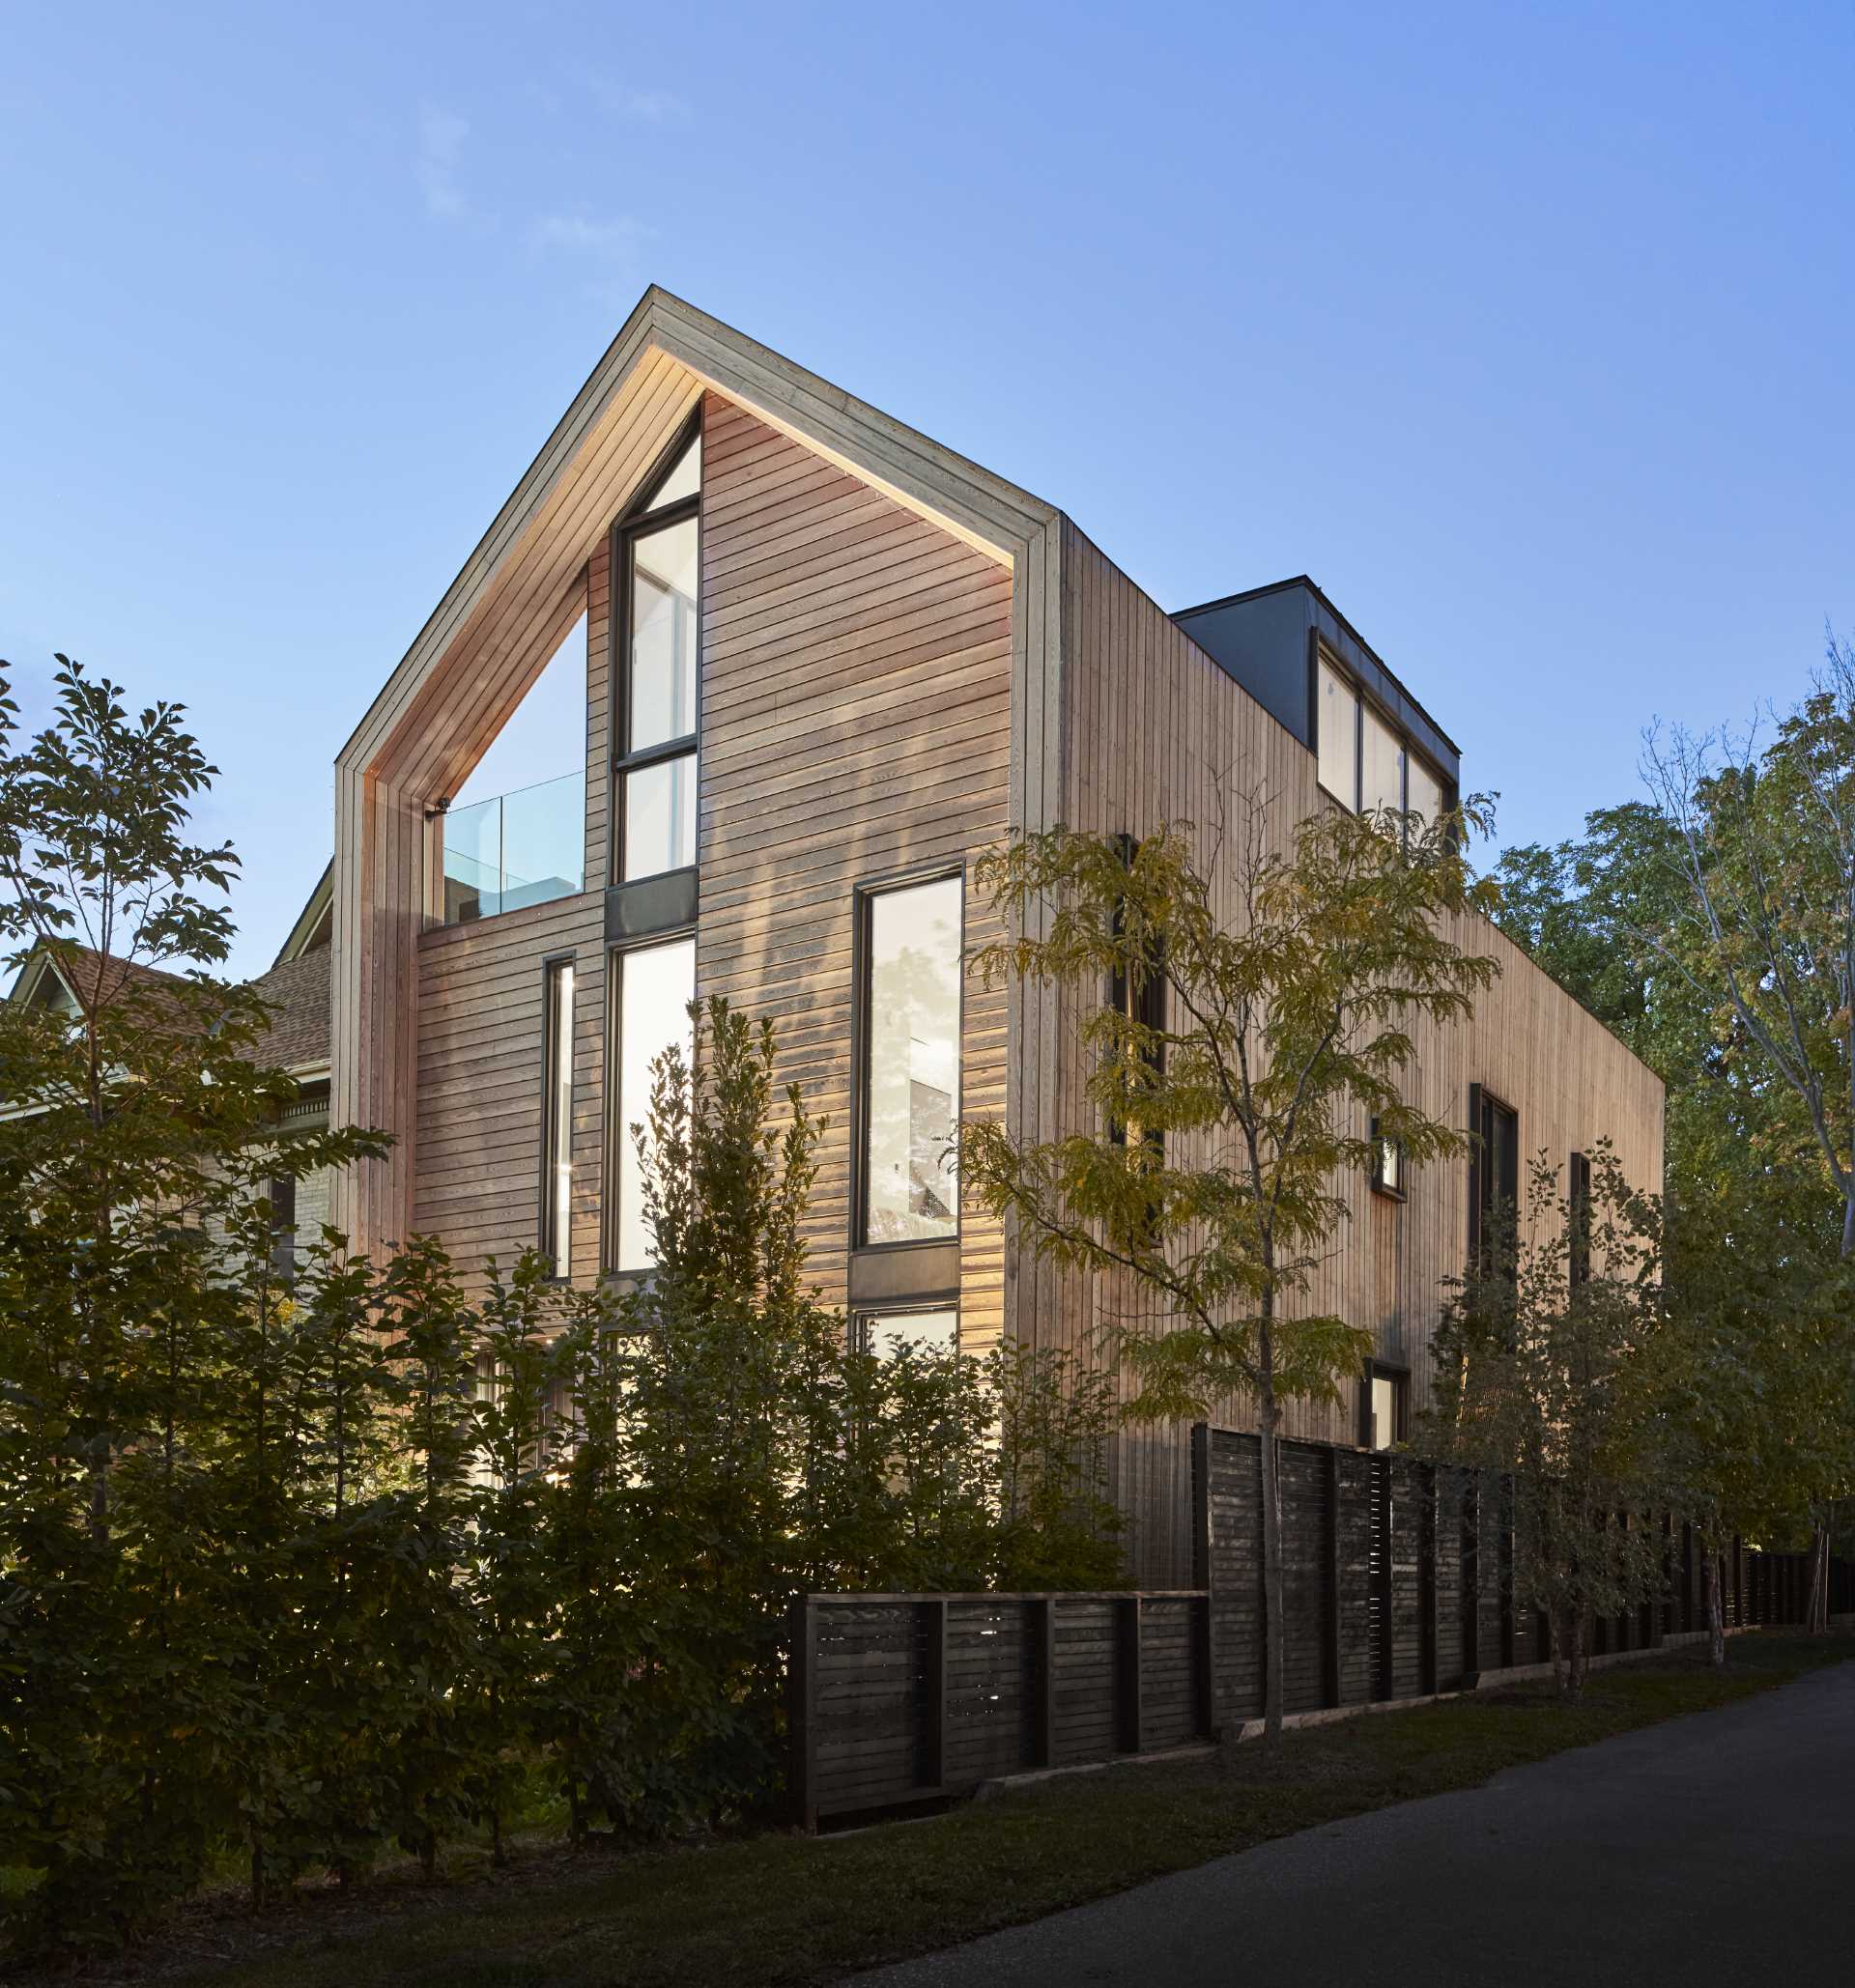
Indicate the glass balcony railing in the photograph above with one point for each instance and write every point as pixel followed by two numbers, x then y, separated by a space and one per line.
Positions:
pixel 521 849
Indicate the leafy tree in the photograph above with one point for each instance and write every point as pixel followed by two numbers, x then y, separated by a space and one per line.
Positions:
pixel 1211 1179
pixel 1550 1380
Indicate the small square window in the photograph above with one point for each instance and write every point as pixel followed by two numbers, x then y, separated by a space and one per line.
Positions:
pixel 1387 1164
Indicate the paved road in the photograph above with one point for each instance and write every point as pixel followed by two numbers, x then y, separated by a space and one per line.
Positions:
pixel 1715 1848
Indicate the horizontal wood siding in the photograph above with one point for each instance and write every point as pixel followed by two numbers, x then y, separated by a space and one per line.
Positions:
pixel 856 723
pixel 1154 731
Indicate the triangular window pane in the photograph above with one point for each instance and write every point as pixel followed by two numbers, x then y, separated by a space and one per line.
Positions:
pixel 685 479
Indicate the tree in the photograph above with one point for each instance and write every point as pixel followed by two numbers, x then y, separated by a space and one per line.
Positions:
pixel 1764 934
pixel 1546 1382
pixel 1210 1177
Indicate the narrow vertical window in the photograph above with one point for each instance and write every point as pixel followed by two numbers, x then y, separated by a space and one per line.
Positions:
pixel 1580 1217
pixel 557 1119
pixel 1387 1163
pixel 1386 1397
pixel 1336 731
pixel 652 988
pixel 283 1227
pixel 1140 995
pixel 1493 1199
pixel 657 558
pixel 910 1005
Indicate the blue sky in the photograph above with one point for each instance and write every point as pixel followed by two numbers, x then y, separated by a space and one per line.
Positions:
pixel 1528 331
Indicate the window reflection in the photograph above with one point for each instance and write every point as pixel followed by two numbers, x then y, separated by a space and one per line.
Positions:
pixel 656 984
pixel 660 817
pixel 1337 727
pixel 884 1333
pixel 1382 771
pixel 911 1009
pixel 664 576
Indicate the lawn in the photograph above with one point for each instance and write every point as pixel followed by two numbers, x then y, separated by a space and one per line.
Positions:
pixel 788 1909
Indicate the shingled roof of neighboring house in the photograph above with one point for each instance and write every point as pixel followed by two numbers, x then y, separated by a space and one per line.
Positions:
pixel 87 971
pixel 298 991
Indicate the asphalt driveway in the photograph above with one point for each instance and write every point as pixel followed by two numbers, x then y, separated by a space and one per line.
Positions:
pixel 1706 1848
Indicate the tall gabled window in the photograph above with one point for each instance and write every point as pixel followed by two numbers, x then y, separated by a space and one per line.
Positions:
pixel 908 1189
pixel 1579 1213
pixel 1494 1182
pixel 657 574
pixel 557 1115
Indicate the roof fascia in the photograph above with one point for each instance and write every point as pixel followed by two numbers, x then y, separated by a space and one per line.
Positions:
pixel 978 507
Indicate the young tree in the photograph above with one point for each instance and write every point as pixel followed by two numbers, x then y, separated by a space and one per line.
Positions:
pixel 1764 935
pixel 1549 1379
pixel 1242 1019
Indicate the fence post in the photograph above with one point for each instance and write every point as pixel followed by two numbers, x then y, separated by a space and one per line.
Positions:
pixel 1427 1578
pixel 1045 1741
pixel 1202 1699
pixel 1506 1549
pixel 1330 1585
pixel 1382 1676
pixel 1126 1674
pixel 933 1770
pixel 1470 1545
pixel 801 1669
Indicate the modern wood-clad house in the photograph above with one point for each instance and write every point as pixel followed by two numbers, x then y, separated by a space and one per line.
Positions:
pixel 826 663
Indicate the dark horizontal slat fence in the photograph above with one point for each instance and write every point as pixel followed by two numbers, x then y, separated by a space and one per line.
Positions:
pixel 912 1698
pixel 1398 1578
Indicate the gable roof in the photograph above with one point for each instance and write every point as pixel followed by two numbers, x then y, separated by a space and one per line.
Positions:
pixel 82 970
pixel 298 989
pixel 311 928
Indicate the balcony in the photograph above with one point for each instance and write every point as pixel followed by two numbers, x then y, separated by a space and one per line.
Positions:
pixel 527 847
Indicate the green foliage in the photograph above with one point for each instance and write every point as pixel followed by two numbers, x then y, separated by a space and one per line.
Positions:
pixel 1550 1382
pixel 300 1571
pixel 1207 1191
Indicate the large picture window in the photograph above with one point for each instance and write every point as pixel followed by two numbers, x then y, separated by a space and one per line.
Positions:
pixel 911 1000
pixel 657 557
pixel 651 990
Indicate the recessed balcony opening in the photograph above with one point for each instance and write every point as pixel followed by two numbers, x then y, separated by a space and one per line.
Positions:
pixel 516 832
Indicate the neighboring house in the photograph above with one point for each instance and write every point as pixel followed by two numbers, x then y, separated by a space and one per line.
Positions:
pixel 295 988
pixel 826 663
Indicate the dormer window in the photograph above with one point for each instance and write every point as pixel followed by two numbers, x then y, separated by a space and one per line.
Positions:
pixel 1365 762
pixel 658 556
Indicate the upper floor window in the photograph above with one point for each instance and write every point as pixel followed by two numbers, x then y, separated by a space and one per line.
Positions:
pixel 1364 762
pixel 557 1115
pixel 1141 998
pixel 657 557
pixel 910 1189
pixel 1387 1163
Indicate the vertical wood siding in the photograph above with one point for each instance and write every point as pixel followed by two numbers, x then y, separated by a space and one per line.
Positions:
pixel 1152 728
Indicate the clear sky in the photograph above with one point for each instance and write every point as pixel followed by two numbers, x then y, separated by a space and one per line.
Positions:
pixel 1528 331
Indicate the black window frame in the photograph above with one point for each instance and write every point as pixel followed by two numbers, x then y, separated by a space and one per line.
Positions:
pixel 861 1317
pixel 612 1106
pixel 1578 1223
pixel 1319 653
pixel 557 1248
pixel 865 891
pixel 639 520
pixel 1379 1184
pixel 1489 1160
pixel 1399 1376
pixel 1152 1005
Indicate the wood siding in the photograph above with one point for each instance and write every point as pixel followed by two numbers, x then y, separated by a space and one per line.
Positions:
pixel 1153 729
pixel 855 725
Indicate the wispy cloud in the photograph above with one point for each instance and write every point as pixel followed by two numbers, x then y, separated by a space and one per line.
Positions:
pixel 606 241
pixel 641 106
pixel 440 152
